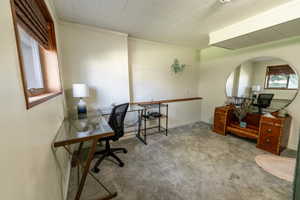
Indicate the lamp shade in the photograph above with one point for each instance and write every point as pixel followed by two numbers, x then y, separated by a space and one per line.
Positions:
pixel 256 88
pixel 80 90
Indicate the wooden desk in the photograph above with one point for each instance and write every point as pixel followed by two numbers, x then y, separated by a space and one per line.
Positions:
pixel 272 134
pixel 167 101
pixel 78 131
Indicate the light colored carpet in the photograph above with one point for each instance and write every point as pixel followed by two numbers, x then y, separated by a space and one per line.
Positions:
pixel 191 163
pixel 281 167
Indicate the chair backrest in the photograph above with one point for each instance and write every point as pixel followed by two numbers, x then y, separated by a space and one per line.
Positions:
pixel 264 100
pixel 116 120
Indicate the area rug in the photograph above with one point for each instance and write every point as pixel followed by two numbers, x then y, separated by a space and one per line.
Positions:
pixel 281 167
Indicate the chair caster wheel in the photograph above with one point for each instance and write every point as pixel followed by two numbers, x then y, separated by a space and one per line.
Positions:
pixel 121 164
pixel 95 170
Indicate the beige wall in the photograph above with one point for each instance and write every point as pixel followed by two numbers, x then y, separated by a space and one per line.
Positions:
pixel 245 79
pixel 118 69
pixel 152 78
pixel 240 80
pixel 217 64
pixel 28 168
pixel 98 58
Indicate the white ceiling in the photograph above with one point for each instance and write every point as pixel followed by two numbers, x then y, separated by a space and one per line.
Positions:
pixel 182 22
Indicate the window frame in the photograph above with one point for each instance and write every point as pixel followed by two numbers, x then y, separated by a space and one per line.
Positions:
pixel 44 94
pixel 267 78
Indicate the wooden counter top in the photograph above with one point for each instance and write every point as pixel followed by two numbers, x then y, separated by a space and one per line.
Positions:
pixel 168 100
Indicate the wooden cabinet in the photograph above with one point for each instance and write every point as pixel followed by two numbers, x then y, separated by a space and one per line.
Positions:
pixel 272 134
pixel 220 119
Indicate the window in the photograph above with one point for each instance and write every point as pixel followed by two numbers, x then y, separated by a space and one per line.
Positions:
pixel 35 37
pixel 31 63
pixel 281 77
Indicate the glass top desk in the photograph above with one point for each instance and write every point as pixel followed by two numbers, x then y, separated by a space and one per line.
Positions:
pixel 77 131
pixel 131 108
pixel 81 130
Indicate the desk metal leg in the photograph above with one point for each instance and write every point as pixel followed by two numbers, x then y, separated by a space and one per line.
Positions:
pixel 145 129
pixel 140 113
pixel 78 166
pixel 167 119
pixel 138 135
pixel 86 171
pixel 159 119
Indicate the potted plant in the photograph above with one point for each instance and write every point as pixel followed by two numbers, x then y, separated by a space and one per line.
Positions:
pixel 241 112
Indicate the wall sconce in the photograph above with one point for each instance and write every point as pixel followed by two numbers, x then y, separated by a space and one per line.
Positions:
pixel 177 67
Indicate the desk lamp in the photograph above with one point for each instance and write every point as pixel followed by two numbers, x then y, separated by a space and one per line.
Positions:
pixel 81 91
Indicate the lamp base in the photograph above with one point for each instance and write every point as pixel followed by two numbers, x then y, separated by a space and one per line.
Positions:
pixel 81 109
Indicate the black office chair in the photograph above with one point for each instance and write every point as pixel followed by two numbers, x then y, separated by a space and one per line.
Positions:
pixel 116 122
pixel 263 101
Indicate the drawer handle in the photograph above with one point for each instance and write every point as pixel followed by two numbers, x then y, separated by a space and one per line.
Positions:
pixel 269 130
pixel 268 140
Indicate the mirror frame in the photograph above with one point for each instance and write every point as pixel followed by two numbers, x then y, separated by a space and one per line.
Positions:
pixel 292 66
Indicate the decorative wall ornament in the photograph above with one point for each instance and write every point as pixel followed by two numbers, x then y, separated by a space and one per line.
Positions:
pixel 177 67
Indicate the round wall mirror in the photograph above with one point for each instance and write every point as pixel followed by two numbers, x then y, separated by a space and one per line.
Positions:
pixel 271 84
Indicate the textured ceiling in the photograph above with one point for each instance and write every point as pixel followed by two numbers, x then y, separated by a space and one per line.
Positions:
pixel 182 22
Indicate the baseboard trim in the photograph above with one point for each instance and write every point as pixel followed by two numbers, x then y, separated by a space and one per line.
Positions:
pixel 132 134
pixel 292 146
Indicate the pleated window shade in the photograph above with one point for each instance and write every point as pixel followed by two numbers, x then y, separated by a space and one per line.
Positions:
pixel 34 18
pixel 280 69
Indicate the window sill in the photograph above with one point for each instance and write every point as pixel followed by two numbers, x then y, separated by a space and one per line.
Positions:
pixel 281 89
pixel 36 100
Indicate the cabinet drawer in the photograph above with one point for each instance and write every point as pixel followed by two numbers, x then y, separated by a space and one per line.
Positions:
pixel 271 121
pixel 219 118
pixel 220 112
pixel 269 143
pixel 269 130
pixel 269 138
pixel 219 124
pixel 219 129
